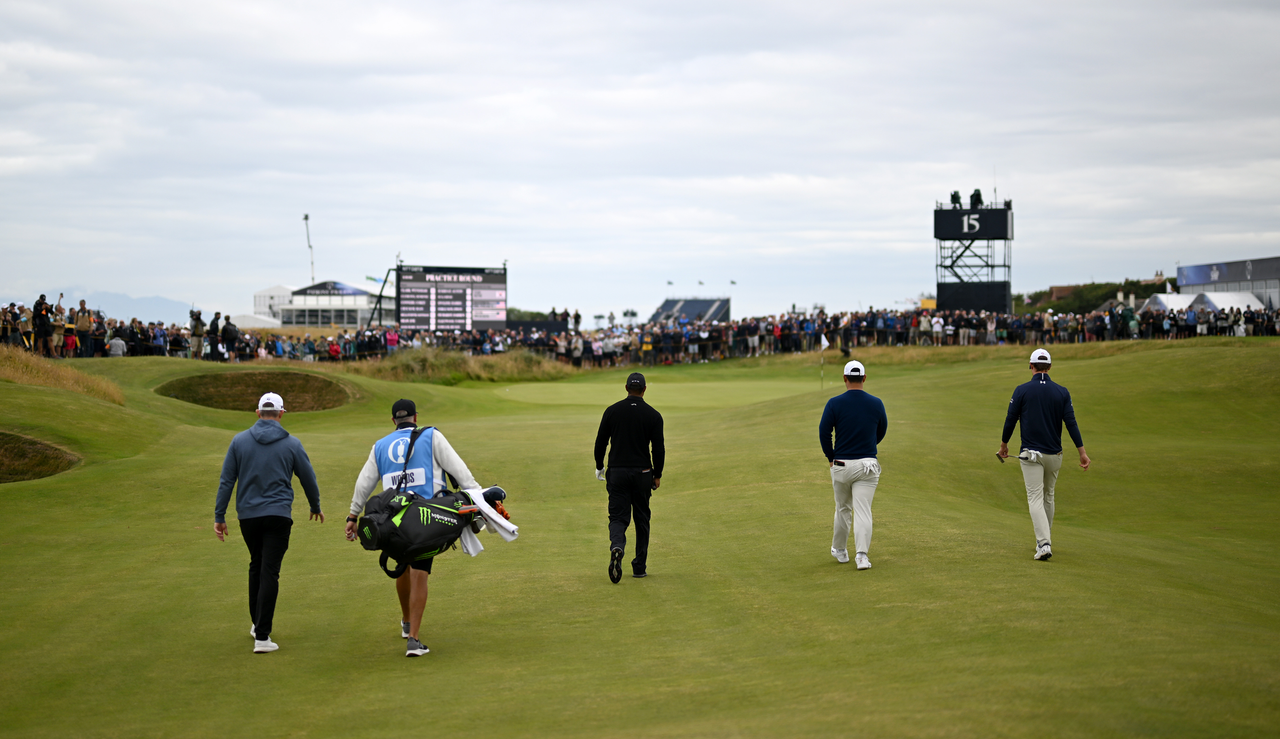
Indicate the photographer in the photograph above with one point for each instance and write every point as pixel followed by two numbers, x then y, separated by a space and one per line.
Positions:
pixel 197 335
pixel 42 326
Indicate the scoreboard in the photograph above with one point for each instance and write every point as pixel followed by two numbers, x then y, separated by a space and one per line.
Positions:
pixel 451 298
pixel 991 224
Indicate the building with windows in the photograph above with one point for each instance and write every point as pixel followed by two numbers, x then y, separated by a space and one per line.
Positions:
pixel 326 305
pixel 1261 277
pixel 267 303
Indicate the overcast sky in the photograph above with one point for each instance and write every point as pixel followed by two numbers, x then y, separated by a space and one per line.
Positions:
pixel 602 149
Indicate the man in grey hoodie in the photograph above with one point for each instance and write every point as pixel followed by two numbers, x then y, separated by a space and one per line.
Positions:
pixel 264 460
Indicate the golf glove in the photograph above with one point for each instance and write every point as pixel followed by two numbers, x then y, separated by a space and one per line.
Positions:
pixel 600 474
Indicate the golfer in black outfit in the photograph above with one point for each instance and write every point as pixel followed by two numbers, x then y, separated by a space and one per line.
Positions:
pixel 628 428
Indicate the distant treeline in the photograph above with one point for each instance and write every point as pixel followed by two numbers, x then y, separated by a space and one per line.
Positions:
pixel 1085 298
pixel 515 314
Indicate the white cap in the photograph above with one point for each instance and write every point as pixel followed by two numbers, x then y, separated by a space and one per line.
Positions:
pixel 1041 356
pixel 271 402
pixel 854 368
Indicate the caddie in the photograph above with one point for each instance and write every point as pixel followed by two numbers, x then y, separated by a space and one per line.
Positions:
pixel 1040 407
pixel 424 466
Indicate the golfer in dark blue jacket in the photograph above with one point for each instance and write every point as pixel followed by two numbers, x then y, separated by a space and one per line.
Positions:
pixel 1041 407
pixel 859 423
pixel 263 460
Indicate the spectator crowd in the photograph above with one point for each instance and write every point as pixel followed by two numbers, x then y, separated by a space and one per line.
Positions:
pixel 55 331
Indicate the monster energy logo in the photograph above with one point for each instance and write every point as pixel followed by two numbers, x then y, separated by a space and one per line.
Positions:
pixel 367 533
pixel 427 516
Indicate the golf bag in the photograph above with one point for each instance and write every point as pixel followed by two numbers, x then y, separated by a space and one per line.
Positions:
pixel 406 526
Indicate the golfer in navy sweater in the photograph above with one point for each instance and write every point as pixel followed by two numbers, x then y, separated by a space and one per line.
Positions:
pixel 1040 407
pixel 859 423
pixel 260 466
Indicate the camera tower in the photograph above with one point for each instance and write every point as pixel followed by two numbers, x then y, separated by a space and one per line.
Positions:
pixel 974 254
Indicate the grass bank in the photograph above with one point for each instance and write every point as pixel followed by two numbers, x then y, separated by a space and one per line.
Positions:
pixel 429 364
pixel 26 368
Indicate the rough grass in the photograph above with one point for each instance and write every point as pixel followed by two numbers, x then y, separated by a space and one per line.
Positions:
pixel 239 391
pixel 429 364
pixel 22 458
pixel 26 368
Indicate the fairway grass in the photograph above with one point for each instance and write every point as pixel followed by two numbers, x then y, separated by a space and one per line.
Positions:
pixel 1159 614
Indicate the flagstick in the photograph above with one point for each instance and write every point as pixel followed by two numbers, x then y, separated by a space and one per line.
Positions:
pixel 822 361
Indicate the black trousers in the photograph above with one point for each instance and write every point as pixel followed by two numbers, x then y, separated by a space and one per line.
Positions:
pixel 268 539
pixel 629 492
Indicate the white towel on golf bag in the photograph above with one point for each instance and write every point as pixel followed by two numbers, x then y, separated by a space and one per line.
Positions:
pixel 492 521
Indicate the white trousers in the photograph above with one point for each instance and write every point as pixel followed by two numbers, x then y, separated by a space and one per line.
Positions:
pixel 1040 473
pixel 855 487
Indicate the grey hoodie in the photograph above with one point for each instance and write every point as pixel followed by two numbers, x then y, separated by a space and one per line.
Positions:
pixel 264 459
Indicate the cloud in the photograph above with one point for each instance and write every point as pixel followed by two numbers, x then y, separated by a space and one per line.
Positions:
pixel 605 149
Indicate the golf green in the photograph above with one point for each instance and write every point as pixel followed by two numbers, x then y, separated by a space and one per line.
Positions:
pixel 1159 614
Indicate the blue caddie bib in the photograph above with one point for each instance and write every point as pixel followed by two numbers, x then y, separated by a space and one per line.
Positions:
pixel 389 453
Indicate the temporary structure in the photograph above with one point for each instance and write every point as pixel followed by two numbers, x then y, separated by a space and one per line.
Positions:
pixel 1227 301
pixel 1167 302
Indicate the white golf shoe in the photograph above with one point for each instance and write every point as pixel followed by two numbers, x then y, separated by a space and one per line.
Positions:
pixel 863 562
pixel 841 555
pixel 262 646
pixel 1043 553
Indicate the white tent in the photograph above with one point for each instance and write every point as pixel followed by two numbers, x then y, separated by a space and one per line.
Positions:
pixel 1167 302
pixel 245 320
pixel 1227 301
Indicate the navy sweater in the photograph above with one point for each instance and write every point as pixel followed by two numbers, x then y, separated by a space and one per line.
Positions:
pixel 263 460
pixel 1041 407
pixel 859 422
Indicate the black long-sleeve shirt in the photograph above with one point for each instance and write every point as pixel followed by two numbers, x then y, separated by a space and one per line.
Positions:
pixel 1041 407
pixel 628 428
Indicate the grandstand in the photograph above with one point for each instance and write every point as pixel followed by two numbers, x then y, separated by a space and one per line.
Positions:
pixel 696 309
